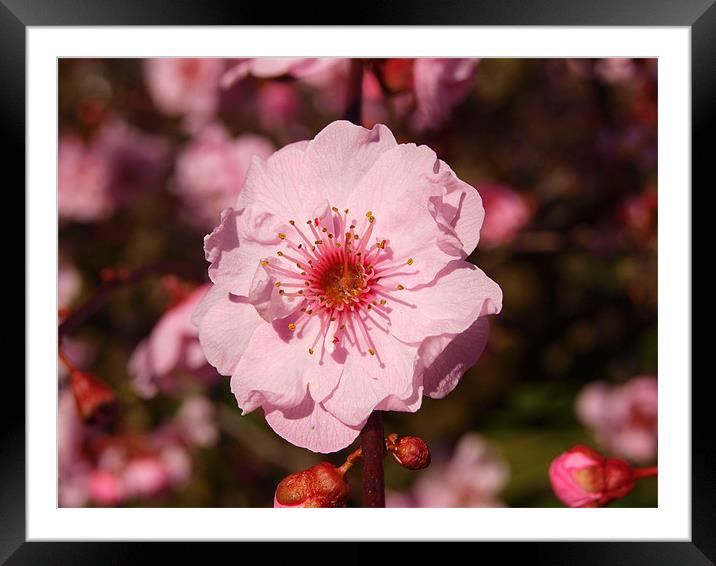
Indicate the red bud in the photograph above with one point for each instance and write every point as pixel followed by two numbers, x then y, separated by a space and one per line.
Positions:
pixel 96 402
pixel 411 452
pixel 323 485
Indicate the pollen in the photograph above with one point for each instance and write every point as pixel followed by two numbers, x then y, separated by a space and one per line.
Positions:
pixel 310 351
pixel 291 326
pixel 410 261
pixel 281 236
pixel 264 262
pixel 371 351
pixel 400 287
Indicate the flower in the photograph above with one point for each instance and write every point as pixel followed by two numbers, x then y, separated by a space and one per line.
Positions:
pixel 196 423
pixel 322 485
pixel 506 213
pixel 473 477
pixel 440 84
pixel 211 170
pixel 582 477
pixel 171 349
pixel 271 67
pixel 323 314
pixel 624 417
pixel 185 87
pixel 110 171
pixel 437 85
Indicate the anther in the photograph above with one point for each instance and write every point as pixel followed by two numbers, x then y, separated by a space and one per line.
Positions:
pixel 264 262
pixel 371 351
pixel 291 326
pixel 280 254
pixel 277 284
pixel 400 287
pixel 310 351
pixel 410 261
pixel 281 236
pixel 291 222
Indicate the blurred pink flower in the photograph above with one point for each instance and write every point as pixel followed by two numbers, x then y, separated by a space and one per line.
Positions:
pixel 623 417
pixel 185 87
pixel 210 171
pixel 473 477
pixel 323 320
pixel 615 70
pixel 582 477
pixel 279 105
pixel 83 179
pixel 107 488
pixel 172 348
pixel 440 84
pixel 196 422
pixel 271 67
pixel 111 170
pixel 145 476
pixel 69 284
pixel 506 213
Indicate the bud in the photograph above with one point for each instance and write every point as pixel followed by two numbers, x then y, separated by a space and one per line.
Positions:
pixel 411 452
pixel 96 403
pixel 582 477
pixel 323 485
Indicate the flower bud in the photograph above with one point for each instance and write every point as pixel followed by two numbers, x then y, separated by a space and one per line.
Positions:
pixel 411 452
pixel 582 477
pixel 323 485
pixel 96 403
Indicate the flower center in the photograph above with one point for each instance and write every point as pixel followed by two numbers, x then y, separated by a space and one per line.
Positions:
pixel 341 274
pixel 342 282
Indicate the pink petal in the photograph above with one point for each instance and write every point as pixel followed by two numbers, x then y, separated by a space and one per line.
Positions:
pixel 310 426
pixel 341 154
pixel 443 360
pixel 450 304
pixel 226 330
pixel 368 381
pixel 277 369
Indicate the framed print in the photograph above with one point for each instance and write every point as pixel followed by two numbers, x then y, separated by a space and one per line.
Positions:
pixel 430 268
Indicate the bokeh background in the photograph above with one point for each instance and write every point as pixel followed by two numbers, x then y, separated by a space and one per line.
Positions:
pixel 563 152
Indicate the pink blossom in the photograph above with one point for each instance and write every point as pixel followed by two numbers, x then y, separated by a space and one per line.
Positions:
pixel 211 169
pixel 623 417
pixel 107 488
pixel 196 422
pixel 506 213
pixel 440 84
pixel 172 347
pixel 340 285
pixel 145 476
pixel 185 87
pixel 69 283
pixel 582 477
pixel 83 179
pixel 271 67
pixel 72 468
pixel 279 105
pixel 473 477
pixel 111 170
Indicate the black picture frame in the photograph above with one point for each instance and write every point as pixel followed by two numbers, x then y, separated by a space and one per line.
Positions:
pixel 17 15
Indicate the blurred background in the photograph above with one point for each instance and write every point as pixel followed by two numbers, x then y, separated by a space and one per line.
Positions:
pixel 564 155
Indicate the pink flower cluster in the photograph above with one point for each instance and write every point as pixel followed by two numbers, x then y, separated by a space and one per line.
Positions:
pixel 114 470
pixel 211 169
pixel 111 170
pixel 623 417
pixel 172 349
pixel 435 85
pixel 473 477
pixel 341 286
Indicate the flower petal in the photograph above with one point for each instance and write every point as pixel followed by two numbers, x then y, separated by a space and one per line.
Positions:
pixel 367 381
pixel 277 368
pixel 459 294
pixel 341 154
pixel 226 329
pixel 442 360
pixel 310 426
